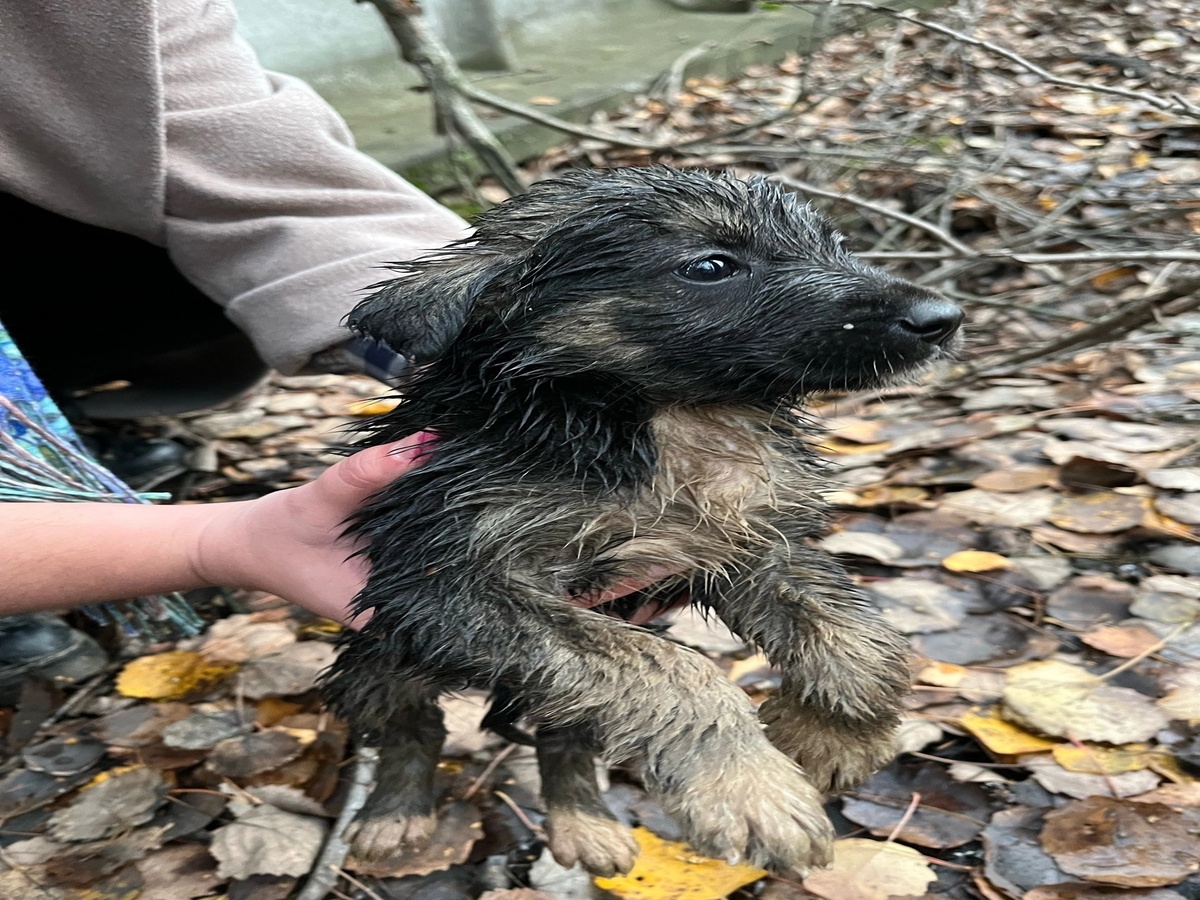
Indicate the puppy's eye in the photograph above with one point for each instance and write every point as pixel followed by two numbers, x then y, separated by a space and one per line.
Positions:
pixel 708 269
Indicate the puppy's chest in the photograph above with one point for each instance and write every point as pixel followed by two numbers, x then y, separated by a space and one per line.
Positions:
pixel 721 482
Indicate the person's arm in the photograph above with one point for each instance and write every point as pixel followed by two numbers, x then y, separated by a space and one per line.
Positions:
pixel 58 555
pixel 269 207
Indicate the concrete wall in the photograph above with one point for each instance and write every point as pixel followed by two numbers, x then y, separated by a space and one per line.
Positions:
pixel 308 37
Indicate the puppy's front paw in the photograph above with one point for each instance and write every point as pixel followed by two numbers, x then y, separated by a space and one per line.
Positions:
pixel 379 835
pixel 600 843
pixel 834 757
pixel 760 810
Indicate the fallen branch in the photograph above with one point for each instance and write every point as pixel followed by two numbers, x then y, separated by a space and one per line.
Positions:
pixel 949 240
pixel 1176 103
pixel 328 866
pixel 448 87
pixel 1180 297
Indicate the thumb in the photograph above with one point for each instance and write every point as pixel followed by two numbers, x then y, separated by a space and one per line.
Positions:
pixel 352 481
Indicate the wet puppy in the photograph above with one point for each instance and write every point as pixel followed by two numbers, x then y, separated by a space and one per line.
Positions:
pixel 612 365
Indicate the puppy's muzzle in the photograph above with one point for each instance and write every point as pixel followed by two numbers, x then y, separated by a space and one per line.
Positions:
pixel 931 321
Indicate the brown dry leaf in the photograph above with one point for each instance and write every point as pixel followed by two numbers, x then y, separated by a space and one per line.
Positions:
pixel 668 870
pixel 174 675
pixel 1125 641
pixel 1182 700
pixel 1058 780
pixel 1061 700
pixel 1000 736
pixel 1081 891
pixel 267 841
pixel 1016 480
pixel 292 670
pixel 178 872
pixel 993 508
pixel 975 561
pixel 1121 843
pixel 458 828
pixel 949 813
pixel 1103 512
pixel 871 870
pixel 116 804
pixel 239 638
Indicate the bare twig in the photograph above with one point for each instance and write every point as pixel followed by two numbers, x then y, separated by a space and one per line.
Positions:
pixel 448 87
pixel 328 866
pixel 947 239
pixel 1176 103
pixel 1178 298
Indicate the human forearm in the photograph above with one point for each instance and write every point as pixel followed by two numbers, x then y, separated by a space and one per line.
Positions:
pixel 288 543
pixel 56 555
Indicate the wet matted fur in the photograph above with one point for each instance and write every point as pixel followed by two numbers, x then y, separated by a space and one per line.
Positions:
pixel 612 365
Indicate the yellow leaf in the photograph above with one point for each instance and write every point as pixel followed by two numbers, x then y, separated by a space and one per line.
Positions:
pixel 373 407
pixel 942 674
pixel 1095 760
pixel 170 676
pixel 1000 736
pixel 975 561
pixel 666 870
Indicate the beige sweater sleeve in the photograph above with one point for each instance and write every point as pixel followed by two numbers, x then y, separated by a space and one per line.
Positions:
pixel 269 209
pixel 154 118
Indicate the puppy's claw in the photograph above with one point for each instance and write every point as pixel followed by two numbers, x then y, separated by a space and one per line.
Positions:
pixel 766 814
pixel 378 837
pixel 601 844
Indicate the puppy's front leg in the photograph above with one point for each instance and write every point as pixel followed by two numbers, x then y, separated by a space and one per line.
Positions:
pixel 700 746
pixel 580 826
pixel 845 670
pixel 401 812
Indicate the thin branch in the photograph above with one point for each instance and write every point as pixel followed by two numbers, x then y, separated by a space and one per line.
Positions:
pixel 947 239
pixel 1181 297
pixel 1176 103
pixel 328 866
pixel 448 87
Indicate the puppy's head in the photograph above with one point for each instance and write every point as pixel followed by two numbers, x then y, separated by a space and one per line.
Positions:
pixel 683 286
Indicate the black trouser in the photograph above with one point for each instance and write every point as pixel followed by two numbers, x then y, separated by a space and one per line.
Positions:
pixel 108 307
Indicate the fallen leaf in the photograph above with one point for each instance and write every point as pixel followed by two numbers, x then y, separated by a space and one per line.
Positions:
pixel 1125 640
pixel 173 675
pixel 1001 736
pixel 975 561
pixel 1079 785
pixel 267 841
pixel 374 407
pixel 1100 513
pixel 458 828
pixel 668 870
pixel 949 814
pixel 871 870
pixel 1091 759
pixel 292 670
pixel 1013 856
pixel 1061 700
pixel 1123 843
pixel 116 804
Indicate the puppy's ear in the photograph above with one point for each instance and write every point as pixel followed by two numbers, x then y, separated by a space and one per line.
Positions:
pixel 421 312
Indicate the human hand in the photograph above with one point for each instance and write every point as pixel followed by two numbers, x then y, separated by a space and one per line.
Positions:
pixel 290 543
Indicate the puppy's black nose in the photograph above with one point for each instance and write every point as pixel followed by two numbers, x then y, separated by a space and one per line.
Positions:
pixel 933 321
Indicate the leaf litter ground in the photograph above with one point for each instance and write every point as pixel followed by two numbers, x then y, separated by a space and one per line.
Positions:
pixel 1034 527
